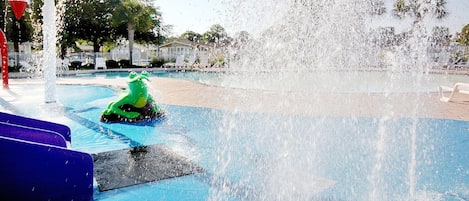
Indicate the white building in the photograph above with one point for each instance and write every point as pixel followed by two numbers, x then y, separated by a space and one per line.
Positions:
pixel 170 51
pixel 141 55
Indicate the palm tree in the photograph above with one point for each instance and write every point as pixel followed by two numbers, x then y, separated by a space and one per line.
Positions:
pixel 191 36
pixel 463 38
pixel 216 34
pixel 419 9
pixel 136 16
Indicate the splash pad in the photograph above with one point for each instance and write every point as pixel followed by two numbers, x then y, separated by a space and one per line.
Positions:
pixel 278 156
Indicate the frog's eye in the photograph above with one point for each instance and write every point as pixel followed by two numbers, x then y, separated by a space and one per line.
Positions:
pixel 132 75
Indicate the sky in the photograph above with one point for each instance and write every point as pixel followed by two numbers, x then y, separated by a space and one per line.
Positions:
pixel 194 15
pixel 458 14
pixel 199 15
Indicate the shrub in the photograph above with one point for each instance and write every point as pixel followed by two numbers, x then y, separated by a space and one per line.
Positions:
pixel 88 66
pixel 124 63
pixel 218 62
pixel 14 68
pixel 74 65
pixel 157 62
pixel 112 64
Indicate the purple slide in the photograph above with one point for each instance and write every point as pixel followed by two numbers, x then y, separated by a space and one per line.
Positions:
pixel 36 164
pixel 37 124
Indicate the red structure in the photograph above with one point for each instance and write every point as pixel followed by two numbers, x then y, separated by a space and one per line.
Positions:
pixel 4 53
pixel 18 7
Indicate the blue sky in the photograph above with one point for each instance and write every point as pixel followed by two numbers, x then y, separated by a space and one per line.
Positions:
pixel 458 14
pixel 199 15
pixel 195 15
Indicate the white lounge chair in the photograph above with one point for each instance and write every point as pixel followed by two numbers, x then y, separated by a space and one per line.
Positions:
pixel 100 63
pixel 459 87
pixel 463 65
pixel 191 61
pixel 204 61
pixel 62 64
pixel 179 61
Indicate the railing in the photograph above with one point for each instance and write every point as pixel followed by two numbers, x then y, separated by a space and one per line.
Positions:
pixel 34 60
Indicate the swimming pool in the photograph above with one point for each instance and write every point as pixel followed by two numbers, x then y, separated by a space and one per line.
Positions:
pixel 310 81
pixel 252 156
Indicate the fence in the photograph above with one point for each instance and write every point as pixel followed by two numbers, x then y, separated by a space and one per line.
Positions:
pixel 34 60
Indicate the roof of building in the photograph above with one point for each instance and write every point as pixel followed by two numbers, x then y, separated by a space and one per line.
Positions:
pixel 184 42
pixel 178 43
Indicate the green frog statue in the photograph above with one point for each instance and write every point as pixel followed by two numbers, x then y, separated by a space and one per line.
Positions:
pixel 134 104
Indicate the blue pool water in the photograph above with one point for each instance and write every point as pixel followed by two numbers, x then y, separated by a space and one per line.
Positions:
pixel 188 75
pixel 251 156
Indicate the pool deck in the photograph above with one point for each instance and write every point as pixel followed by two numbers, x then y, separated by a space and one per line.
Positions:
pixel 426 105
pixel 188 93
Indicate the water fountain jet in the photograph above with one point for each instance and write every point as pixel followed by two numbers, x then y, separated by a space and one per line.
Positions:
pixel 49 52
pixel 324 44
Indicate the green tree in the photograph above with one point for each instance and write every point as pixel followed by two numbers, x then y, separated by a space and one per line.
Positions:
pixel 36 19
pixel 135 16
pixel 93 21
pixel 162 30
pixel 440 36
pixel 241 38
pixel 191 36
pixel 18 31
pixel 463 37
pixel 216 34
pixel 3 10
pixel 87 20
pixel 419 9
pixel 377 7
